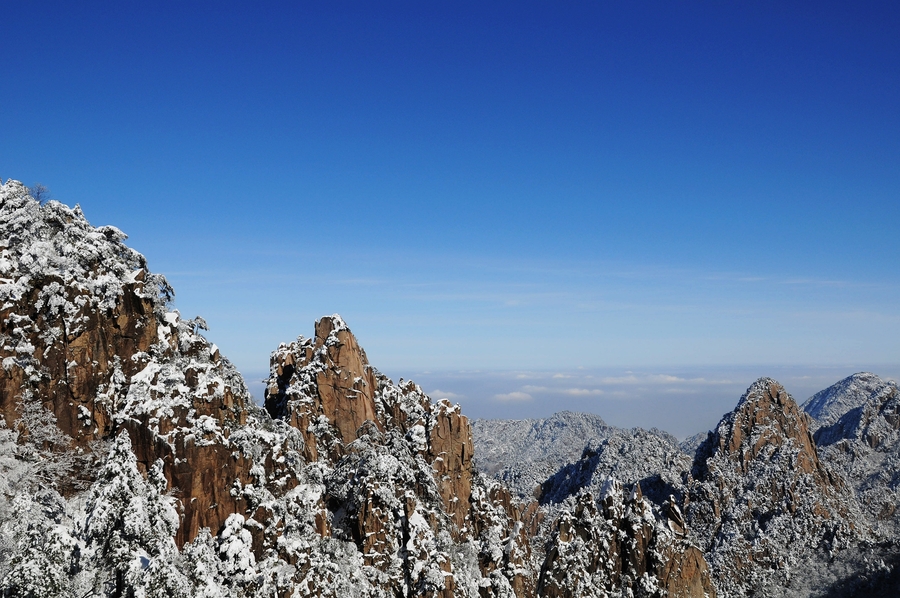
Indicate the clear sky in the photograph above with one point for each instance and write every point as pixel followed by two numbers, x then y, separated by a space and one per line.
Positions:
pixel 652 187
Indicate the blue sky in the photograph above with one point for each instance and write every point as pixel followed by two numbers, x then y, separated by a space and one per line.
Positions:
pixel 495 187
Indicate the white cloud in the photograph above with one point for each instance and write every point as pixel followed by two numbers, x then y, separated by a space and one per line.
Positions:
pixel 510 397
pixel 442 394
pixel 530 388
pixel 583 392
pixel 664 379
pixel 658 379
pixel 630 379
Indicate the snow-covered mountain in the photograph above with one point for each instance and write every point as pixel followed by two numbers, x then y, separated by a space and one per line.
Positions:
pixel 523 453
pixel 762 505
pixel 776 510
pixel 827 406
pixel 863 442
pixel 635 456
pixel 134 463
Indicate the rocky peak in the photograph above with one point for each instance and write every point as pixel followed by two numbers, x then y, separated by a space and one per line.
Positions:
pixel 325 388
pixel 88 335
pixel 761 496
pixel 327 376
pixel 765 419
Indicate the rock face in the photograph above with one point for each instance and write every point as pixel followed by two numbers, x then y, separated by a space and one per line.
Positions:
pixel 327 376
pixel 87 334
pixel 90 348
pixel 765 420
pixel 74 302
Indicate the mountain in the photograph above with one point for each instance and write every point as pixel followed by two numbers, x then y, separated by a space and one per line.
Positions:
pixel 522 453
pixel 828 406
pixel 856 425
pixel 862 439
pixel 774 512
pixel 133 463
pixel 650 459
pixel 761 504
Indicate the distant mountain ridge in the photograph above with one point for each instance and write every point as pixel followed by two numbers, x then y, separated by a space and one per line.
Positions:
pixel 762 454
pixel 523 452
pixel 829 405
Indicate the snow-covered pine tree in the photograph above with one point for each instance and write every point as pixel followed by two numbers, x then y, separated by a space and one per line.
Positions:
pixel 129 530
pixel 46 453
pixel 40 563
pixel 36 544
pixel 9 472
pixel 203 567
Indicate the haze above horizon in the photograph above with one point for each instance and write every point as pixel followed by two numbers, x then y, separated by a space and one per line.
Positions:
pixel 518 188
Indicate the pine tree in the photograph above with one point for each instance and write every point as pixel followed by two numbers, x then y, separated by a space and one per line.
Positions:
pixel 41 561
pixel 36 546
pixel 235 549
pixel 129 529
pixel 204 568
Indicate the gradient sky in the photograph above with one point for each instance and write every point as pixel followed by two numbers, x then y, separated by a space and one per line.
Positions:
pixel 653 187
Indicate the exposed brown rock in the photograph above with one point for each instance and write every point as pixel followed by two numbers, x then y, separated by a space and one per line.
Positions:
pixel 450 452
pixel 71 368
pixel 769 418
pixel 329 377
pixel 685 574
pixel 81 318
pixel 76 376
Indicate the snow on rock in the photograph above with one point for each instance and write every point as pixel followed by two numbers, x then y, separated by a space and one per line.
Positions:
pixel 87 331
pixel 632 456
pixel 863 443
pixel 618 545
